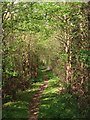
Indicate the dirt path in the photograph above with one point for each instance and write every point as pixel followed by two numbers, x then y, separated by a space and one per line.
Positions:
pixel 34 106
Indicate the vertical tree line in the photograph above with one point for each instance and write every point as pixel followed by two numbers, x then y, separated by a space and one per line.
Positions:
pixel 55 35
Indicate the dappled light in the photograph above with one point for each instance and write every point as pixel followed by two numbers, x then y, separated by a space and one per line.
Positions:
pixel 45 60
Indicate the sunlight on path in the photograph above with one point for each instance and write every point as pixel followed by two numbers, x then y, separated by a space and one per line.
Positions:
pixel 34 105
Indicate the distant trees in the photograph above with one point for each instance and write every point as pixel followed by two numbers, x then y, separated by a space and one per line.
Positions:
pixel 53 34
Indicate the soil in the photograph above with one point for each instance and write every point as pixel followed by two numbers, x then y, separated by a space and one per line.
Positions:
pixel 34 104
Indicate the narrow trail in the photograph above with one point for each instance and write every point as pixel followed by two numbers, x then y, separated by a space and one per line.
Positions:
pixel 34 104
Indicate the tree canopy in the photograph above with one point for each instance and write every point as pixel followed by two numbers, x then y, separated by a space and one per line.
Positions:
pixel 52 36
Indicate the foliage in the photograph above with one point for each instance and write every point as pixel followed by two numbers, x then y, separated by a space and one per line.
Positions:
pixel 51 35
pixel 85 57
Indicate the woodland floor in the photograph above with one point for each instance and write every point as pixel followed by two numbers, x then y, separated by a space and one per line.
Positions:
pixel 42 102
pixel 34 104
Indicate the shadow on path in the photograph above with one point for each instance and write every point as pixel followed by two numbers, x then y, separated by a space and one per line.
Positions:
pixel 34 105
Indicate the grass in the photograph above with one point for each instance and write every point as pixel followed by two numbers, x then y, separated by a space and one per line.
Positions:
pixel 19 108
pixel 57 106
pixel 53 106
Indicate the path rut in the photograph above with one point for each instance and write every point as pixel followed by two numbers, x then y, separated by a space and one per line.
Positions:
pixel 34 104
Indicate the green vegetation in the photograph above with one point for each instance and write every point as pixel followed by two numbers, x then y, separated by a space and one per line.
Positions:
pixel 46 41
pixel 19 108
pixel 55 106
